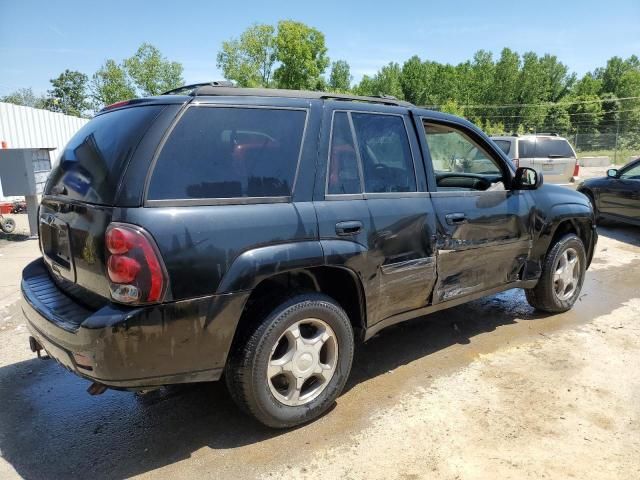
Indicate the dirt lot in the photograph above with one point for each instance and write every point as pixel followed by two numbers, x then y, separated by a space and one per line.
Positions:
pixel 486 390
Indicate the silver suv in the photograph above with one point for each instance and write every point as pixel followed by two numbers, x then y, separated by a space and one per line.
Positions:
pixel 547 153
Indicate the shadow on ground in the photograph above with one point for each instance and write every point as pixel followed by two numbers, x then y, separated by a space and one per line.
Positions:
pixel 620 231
pixel 51 428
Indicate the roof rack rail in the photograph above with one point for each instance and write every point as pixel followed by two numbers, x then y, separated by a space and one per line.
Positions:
pixel 226 88
pixel 546 133
pixel 190 89
pixel 383 99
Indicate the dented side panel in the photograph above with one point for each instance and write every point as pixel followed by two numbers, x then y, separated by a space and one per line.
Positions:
pixel 488 247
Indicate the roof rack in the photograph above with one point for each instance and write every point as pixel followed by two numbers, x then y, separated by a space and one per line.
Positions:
pixel 188 89
pixel 545 133
pixel 225 88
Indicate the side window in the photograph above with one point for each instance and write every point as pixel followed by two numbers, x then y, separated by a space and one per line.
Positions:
pixel 221 152
pixel 459 162
pixel 385 153
pixel 632 173
pixel 343 176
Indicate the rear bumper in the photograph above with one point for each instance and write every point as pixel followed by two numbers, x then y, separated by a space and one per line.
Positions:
pixel 131 348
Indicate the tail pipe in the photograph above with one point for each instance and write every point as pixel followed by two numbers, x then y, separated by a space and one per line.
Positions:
pixel 35 346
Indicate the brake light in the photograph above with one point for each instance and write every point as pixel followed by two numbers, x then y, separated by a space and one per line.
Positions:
pixel 576 170
pixel 116 105
pixel 134 266
pixel 516 162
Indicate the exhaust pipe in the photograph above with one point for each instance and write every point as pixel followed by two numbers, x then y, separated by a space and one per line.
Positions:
pixel 35 346
pixel 96 389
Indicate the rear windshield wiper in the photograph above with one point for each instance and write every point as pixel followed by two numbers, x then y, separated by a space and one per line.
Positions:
pixel 556 156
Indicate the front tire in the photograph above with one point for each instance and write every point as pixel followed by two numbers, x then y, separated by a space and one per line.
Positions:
pixel 291 367
pixel 562 276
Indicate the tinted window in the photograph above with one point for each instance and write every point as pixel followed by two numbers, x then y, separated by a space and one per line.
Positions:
pixel 387 164
pixel 550 147
pixel 344 176
pixel 632 173
pixel 92 163
pixel 216 152
pixel 504 145
pixel 544 148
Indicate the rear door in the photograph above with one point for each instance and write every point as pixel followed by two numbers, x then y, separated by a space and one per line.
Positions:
pixel 553 156
pixel 374 206
pixel 484 234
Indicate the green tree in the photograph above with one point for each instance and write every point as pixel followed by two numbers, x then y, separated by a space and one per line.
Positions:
pixel 385 82
pixel 25 97
pixel 557 119
pixel 302 54
pixel 250 59
pixel 69 94
pixel 110 84
pixel 414 80
pixel 152 73
pixel 340 76
pixel 585 111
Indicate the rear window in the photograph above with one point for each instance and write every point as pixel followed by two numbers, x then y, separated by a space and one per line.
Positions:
pixel 221 152
pixel 504 145
pixel 544 148
pixel 91 164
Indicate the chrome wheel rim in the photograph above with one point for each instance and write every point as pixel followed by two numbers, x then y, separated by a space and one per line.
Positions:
pixel 302 362
pixel 566 275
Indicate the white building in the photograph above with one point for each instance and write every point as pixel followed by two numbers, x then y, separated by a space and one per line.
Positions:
pixel 26 127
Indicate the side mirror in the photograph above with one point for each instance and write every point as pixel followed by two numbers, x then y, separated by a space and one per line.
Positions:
pixel 612 173
pixel 527 179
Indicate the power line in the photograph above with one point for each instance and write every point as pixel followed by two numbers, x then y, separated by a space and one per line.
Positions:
pixel 545 104
pixel 569 114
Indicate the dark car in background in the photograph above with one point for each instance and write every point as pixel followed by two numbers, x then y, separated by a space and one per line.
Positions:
pixel 616 196
pixel 257 235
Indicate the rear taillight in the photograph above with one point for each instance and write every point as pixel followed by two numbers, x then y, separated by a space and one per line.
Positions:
pixel 576 170
pixel 134 267
pixel 516 162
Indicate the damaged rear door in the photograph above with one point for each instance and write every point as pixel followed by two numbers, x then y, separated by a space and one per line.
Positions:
pixel 483 228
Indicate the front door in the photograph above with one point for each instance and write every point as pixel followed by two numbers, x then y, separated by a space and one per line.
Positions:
pixel 374 213
pixel 620 196
pixel 483 227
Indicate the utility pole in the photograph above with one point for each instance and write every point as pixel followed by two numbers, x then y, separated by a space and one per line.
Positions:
pixel 615 153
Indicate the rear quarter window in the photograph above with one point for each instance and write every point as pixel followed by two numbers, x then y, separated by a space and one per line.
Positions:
pixel 225 152
pixel 504 145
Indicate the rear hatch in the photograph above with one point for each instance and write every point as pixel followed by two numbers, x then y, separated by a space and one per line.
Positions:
pixel 551 155
pixel 80 196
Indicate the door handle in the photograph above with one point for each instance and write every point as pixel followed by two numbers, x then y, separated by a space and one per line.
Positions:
pixel 456 218
pixel 349 228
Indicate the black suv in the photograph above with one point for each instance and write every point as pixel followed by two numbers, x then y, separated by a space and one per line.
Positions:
pixel 258 234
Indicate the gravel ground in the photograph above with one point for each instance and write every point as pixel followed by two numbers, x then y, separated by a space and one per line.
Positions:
pixel 491 389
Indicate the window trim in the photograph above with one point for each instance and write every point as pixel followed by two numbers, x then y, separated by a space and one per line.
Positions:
pixel 212 201
pixel 364 195
pixel 476 138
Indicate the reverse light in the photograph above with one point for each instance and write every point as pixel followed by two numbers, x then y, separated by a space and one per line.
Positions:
pixel 516 162
pixel 134 266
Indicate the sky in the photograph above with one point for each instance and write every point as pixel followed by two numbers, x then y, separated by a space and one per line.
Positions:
pixel 40 39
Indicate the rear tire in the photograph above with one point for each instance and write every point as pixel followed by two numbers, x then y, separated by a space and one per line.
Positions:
pixel 563 271
pixel 290 368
